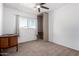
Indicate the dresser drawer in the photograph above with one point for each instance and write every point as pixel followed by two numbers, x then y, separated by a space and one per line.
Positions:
pixel 13 41
pixel 4 43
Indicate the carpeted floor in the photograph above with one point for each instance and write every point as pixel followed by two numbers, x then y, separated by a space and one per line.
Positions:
pixel 41 48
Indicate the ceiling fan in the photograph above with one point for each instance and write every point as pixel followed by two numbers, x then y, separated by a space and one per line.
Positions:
pixel 40 5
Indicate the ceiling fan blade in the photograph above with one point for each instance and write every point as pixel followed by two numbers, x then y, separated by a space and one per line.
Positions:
pixel 38 9
pixel 42 3
pixel 44 7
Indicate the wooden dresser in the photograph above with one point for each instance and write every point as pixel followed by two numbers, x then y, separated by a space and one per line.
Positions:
pixel 8 41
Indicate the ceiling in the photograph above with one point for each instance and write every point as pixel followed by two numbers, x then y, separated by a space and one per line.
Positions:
pixel 29 7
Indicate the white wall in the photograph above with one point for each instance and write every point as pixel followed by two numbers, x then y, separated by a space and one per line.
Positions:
pixel 50 25
pixel 9 24
pixel 1 15
pixel 64 26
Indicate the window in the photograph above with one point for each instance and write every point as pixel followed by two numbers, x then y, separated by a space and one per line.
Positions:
pixel 26 22
pixel 31 23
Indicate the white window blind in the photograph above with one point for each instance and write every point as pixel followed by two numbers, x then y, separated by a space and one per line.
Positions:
pixel 26 22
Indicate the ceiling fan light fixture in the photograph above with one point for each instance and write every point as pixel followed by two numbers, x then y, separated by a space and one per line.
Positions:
pixel 38 6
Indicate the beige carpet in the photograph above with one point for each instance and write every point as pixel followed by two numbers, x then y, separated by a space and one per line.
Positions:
pixel 41 48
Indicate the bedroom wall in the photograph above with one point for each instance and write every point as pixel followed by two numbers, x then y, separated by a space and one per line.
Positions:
pixel 64 26
pixel 1 17
pixel 9 24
